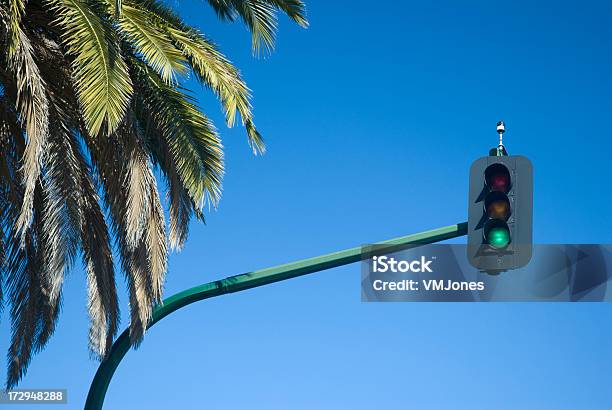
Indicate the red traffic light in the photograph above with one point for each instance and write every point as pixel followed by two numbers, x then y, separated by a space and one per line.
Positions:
pixel 497 178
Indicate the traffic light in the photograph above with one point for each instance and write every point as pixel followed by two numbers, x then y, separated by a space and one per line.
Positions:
pixel 500 213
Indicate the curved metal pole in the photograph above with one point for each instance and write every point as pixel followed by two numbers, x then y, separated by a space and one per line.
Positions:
pixel 101 381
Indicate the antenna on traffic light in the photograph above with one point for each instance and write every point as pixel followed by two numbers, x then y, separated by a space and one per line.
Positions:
pixel 500 151
pixel 501 128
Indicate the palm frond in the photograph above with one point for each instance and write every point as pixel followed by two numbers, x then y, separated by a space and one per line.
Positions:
pixel 60 216
pixel 210 66
pixel 260 17
pixel 85 220
pixel 30 278
pixel 144 219
pixel 181 205
pixel 26 295
pixel 144 260
pixel 102 303
pixel 193 142
pixel 10 192
pixel 155 240
pixel 181 209
pixel 151 43
pixel 154 225
pixel 140 291
pixel 138 180
pixel 25 298
pixel 13 18
pixel 32 104
pixel 108 156
pixel 56 247
pixel 102 82
pixel 98 259
pixel 216 72
pixel 295 9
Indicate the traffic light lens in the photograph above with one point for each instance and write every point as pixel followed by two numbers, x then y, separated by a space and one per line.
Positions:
pixel 499 210
pixel 500 183
pixel 497 206
pixel 498 237
pixel 496 233
pixel 497 178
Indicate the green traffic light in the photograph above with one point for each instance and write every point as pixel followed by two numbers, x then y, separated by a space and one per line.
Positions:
pixel 498 237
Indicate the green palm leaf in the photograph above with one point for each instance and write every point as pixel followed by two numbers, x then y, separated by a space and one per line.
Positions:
pixel 194 145
pixel 210 67
pixel 102 83
pixel 13 19
pixel 215 71
pixel 260 17
pixel 151 43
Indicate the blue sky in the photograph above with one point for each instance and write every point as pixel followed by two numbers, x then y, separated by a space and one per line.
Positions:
pixel 372 117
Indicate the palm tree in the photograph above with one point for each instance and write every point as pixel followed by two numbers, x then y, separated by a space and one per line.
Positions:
pixel 91 107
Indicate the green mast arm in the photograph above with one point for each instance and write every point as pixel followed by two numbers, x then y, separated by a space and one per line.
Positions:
pixel 237 283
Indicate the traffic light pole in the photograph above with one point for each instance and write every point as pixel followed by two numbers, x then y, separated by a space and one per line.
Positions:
pixel 106 370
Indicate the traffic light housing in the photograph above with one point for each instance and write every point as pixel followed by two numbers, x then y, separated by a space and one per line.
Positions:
pixel 500 209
